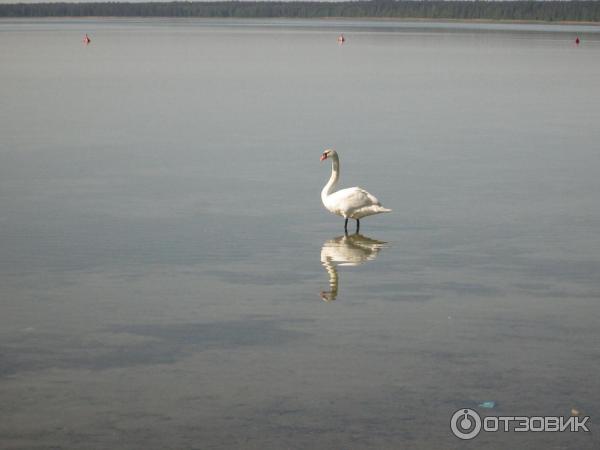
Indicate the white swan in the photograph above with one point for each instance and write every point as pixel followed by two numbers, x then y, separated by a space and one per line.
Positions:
pixel 350 203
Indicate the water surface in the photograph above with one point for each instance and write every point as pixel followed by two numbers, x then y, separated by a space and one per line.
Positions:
pixel 164 254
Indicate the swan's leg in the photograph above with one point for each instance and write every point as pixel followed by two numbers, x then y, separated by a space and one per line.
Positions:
pixel 357 225
pixel 346 226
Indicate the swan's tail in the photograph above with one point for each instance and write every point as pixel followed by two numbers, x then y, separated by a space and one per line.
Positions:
pixel 369 211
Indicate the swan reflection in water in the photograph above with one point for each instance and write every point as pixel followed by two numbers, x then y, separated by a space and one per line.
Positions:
pixel 346 250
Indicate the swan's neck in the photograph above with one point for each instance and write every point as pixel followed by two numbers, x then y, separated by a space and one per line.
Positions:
pixel 335 175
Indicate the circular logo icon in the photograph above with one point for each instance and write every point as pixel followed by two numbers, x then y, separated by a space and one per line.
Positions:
pixel 465 424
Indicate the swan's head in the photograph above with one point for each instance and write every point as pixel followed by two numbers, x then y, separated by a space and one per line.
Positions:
pixel 327 154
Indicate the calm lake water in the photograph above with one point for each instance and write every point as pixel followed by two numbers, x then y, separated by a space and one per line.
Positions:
pixel 164 254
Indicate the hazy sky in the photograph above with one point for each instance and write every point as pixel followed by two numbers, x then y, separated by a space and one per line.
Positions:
pixel 125 1
pixel 131 1
pixel 145 1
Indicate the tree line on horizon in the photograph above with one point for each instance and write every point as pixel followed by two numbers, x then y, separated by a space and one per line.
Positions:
pixel 550 11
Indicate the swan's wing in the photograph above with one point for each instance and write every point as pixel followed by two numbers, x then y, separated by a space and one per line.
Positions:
pixel 353 198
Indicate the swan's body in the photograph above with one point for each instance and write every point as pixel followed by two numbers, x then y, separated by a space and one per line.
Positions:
pixel 350 203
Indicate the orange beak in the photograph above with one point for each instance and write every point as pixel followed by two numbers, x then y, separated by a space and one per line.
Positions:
pixel 323 156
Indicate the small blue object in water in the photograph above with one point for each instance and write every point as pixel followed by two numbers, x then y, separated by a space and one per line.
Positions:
pixel 488 405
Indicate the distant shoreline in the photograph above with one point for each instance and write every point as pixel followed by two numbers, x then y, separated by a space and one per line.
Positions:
pixel 307 19
pixel 490 21
pixel 510 11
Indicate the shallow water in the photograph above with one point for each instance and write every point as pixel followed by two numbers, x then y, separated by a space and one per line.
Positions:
pixel 164 254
